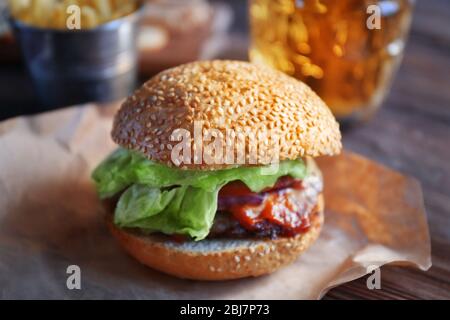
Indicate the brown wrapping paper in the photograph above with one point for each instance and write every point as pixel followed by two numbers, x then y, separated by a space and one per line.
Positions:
pixel 49 219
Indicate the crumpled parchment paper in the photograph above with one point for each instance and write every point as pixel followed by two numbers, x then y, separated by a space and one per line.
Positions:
pixel 49 219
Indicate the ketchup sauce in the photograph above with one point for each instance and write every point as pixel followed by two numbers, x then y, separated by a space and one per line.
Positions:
pixel 278 206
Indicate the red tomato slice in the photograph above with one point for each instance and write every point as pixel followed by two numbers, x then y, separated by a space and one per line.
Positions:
pixel 235 188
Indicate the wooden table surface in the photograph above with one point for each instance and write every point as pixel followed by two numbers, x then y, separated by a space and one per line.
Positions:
pixel 411 133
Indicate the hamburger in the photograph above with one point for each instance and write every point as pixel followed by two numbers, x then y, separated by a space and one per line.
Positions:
pixel 214 176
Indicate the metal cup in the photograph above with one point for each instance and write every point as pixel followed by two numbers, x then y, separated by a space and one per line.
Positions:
pixel 77 66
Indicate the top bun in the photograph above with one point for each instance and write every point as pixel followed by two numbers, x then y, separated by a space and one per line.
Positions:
pixel 226 95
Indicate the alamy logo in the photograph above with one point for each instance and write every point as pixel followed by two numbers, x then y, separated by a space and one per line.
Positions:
pixel 73 21
pixel 374 280
pixel 74 278
pixel 257 145
pixel 374 19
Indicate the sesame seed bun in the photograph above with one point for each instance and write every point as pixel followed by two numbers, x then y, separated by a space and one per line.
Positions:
pixel 217 259
pixel 225 95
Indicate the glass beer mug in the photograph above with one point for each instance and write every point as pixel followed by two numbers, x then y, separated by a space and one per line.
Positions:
pixel 347 51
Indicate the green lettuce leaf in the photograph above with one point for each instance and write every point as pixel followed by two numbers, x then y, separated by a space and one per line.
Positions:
pixel 124 168
pixel 174 201
pixel 182 210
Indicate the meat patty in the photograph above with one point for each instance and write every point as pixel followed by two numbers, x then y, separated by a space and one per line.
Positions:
pixel 284 210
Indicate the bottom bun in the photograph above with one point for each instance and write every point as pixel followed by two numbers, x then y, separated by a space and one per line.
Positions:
pixel 217 259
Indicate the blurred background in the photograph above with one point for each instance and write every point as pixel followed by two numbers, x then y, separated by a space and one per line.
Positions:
pixel 382 66
pixel 347 51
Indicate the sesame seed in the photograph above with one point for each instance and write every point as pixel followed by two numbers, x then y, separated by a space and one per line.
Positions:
pixel 228 94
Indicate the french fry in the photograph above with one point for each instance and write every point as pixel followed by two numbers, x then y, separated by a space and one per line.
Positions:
pixel 103 8
pixel 89 18
pixel 17 6
pixel 40 11
pixel 115 4
pixel 58 20
pixel 123 10
pixel 53 13
pixel 67 3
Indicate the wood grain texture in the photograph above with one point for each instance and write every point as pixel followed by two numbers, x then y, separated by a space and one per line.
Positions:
pixel 411 133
